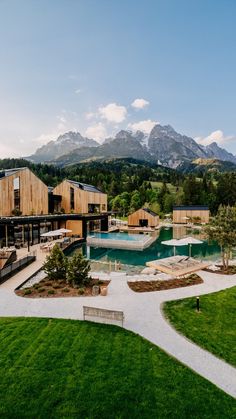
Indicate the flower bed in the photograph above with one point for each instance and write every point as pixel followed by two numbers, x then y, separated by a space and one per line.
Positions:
pixel 148 286
pixel 230 271
pixel 59 288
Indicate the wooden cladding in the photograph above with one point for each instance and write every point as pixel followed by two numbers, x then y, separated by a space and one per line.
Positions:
pixel 186 215
pixel 82 200
pixel 143 218
pixel 23 191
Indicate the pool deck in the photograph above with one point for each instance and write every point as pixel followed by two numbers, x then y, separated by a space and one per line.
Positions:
pixel 176 266
pixel 122 244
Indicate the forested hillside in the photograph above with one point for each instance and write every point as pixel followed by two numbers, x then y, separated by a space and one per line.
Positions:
pixel 131 184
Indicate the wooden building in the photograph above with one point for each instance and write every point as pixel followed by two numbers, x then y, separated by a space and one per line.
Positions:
pixel 194 213
pixel 143 217
pixel 80 198
pixel 21 192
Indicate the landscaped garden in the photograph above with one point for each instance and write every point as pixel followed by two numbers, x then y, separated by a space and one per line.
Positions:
pixel 65 368
pixel 148 286
pixel 66 277
pixel 213 327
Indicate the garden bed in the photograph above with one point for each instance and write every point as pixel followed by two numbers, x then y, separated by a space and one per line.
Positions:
pixel 59 288
pixel 148 286
pixel 230 271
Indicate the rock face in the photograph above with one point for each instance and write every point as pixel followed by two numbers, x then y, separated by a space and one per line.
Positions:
pixel 172 148
pixel 64 144
pixel 163 146
pixel 122 146
pixel 214 151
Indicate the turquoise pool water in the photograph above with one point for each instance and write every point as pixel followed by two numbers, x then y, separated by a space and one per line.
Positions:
pixel 134 261
pixel 119 236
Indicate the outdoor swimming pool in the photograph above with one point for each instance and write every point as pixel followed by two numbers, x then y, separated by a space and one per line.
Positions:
pixel 134 261
pixel 119 236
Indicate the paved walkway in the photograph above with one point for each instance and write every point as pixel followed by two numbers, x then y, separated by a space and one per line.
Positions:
pixel 143 315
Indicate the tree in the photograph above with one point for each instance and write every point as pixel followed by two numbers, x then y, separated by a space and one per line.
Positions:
pixel 168 202
pixel 135 202
pixel 78 270
pixel 222 228
pixel 56 264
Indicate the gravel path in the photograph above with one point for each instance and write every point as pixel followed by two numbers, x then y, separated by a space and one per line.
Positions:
pixel 143 315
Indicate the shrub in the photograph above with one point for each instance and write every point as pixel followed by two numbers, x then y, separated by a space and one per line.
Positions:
pixel 56 286
pixel 27 292
pixel 36 286
pixel 78 270
pixel 55 265
pixel 41 290
pixel 65 290
pixel 50 292
pixel 16 212
pixel 81 291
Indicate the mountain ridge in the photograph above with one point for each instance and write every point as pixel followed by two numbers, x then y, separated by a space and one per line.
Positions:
pixel 163 146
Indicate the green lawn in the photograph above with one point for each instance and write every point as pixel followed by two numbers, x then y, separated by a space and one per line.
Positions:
pixel 171 187
pixel 214 328
pixel 71 369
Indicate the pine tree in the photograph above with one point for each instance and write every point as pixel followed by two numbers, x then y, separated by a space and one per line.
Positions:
pixel 56 264
pixel 78 270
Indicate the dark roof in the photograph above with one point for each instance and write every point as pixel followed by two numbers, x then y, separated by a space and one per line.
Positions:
pixel 85 186
pixel 191 207
pixel 9 172
pixel 150 212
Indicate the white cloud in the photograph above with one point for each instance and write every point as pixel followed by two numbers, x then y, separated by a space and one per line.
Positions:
pixel 90 115
pixel 146 126
pixel 140 103
pixel 77 91
pixel 113 112
pixel 216 136
pixel 97 132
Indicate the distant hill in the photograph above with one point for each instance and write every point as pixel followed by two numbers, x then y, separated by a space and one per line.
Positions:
pixel 163 146
pixel 207 165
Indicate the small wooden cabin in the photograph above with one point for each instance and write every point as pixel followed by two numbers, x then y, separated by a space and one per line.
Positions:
pixel 143 217
pixel 81 198
pixel 23 193
pixel 194 213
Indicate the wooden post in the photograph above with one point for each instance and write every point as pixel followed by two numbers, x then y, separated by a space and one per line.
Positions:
pixel 6 235
pixel 28 237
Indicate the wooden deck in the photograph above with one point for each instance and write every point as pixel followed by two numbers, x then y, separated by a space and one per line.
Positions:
pixel 178 267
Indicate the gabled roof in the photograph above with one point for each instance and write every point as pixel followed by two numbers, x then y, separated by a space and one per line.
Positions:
pixel 8 172
pixel 150 212
pixel 190 207
pixel 85 186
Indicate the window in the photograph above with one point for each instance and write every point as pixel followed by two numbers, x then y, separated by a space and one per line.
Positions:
pixel 16 187
pixel 72 199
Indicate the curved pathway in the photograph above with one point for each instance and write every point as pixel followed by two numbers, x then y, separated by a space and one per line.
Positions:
pixel 143 315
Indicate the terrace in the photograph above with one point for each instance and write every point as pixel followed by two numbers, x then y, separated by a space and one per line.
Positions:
pixel 178 265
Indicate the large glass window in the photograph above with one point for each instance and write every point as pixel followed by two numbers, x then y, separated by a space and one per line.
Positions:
pixel 72 199
pixel 16 187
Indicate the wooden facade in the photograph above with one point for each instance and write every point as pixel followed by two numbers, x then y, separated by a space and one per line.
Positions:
pixel 185 214
pixel 143 218
pixel 21 190
pixel 80 198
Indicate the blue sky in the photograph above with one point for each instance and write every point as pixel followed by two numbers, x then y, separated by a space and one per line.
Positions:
pixel 81 65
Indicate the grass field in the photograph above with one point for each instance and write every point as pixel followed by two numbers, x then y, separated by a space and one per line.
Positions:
pixel 214 328
pixel 70 369
pixel 171 187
